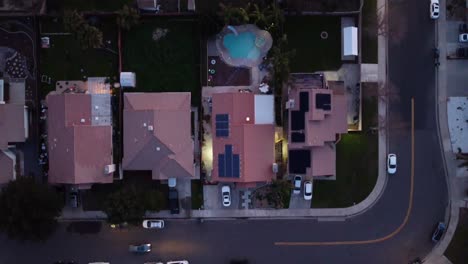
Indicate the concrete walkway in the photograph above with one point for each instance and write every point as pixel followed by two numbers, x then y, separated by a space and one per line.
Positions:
pixel 456 184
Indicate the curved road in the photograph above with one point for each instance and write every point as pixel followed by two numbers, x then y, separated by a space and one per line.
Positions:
pixel 412 74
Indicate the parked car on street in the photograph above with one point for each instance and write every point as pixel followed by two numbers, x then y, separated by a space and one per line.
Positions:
pixel 463 37
pixel 178 262
pixel 434 9
pixel 226 195
pixel 391 163
pixel 174 201
pixel 308 190
pixel 297 184
pixel 438 232
pixel 153 224
pixel 143 248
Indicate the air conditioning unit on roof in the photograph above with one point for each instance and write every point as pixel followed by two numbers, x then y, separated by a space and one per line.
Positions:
pixel 108 169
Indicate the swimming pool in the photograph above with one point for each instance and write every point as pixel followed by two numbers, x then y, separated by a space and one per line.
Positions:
pixel 244 45
pixel 241 46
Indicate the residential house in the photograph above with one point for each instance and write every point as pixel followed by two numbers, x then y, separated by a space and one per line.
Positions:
pixel 317 117
pixel 157 135
pixel 80 134
pixel 243 134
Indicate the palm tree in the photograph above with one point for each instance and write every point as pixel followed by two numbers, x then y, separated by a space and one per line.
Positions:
pixel 127 17
pixel 274 18
pixel 88 36
pixel 258 16
pixel 234 15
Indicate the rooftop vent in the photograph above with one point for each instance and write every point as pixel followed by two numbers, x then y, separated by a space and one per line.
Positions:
pixel 150 128
pixel 82 120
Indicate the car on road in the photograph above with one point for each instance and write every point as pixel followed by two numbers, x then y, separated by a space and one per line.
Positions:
pixel 463 37
pixel 297 184
pixel 174 201
pixel 142 248
pixel 391 163
pixel 308 190
pixel 226 195
pixel 434 9
pixel 438 232
pixel 153 224
pixel 178 262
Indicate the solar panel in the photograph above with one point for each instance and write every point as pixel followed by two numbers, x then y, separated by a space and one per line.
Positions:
pixel 228 160
pixel 236 166
pixel 221 167
pixel 222 125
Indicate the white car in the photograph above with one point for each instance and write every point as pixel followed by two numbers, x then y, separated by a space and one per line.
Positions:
pixel 226 195
pixel 153 224
pixel 391 163
pixel 434 9
pixel 463 37
pixel 297 184
pixel 308 190
pixel 178 262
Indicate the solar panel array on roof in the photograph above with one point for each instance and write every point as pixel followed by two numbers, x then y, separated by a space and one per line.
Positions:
pixel 298 117
pixel 222 125
pixel 323 101
pixel 228 163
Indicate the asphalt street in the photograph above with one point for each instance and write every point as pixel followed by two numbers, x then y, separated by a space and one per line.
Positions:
pixel 412 74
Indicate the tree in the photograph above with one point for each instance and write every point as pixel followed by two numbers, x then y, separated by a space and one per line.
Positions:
pixel 234 15
pixel 88 36
pixel 258 16
pixel 124 205
pixel 127 17
pixel 28 209
pixel 280 60
pixel 279 193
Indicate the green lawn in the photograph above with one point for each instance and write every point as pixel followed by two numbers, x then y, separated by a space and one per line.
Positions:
pixel 356 166
pixel 171 64
pixel 369 32
pixel 65 58
pixel 197 194
pixel 312 52
pixel 457 251
pixel 95 198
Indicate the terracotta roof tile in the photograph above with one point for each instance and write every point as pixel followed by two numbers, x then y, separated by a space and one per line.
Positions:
pixel 157 134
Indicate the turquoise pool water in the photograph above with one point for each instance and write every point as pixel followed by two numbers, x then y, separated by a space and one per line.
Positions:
pixel 241 46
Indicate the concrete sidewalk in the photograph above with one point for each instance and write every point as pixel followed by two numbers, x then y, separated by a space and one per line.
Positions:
pixel 456 185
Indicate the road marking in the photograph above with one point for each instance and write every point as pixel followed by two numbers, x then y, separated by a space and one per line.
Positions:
pixel 381 239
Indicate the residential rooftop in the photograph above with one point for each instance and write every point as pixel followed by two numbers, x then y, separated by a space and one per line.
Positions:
pixel 317 114
pixel 243 133
pixel 157 134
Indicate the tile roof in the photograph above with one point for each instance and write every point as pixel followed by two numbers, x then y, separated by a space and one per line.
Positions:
pixel 313 126
pixel 157 134
pixel 78 150
pixel 254 143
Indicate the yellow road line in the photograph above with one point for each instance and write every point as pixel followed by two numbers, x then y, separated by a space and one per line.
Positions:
pixel 392 234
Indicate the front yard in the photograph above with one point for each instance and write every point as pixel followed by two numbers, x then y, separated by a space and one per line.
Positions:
pixel 164 54
pixel 312 52
pixel 356 165
pixel 94 199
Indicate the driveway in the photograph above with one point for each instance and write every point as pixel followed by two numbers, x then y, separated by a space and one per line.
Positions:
pixel 212 197
pixel 297 201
